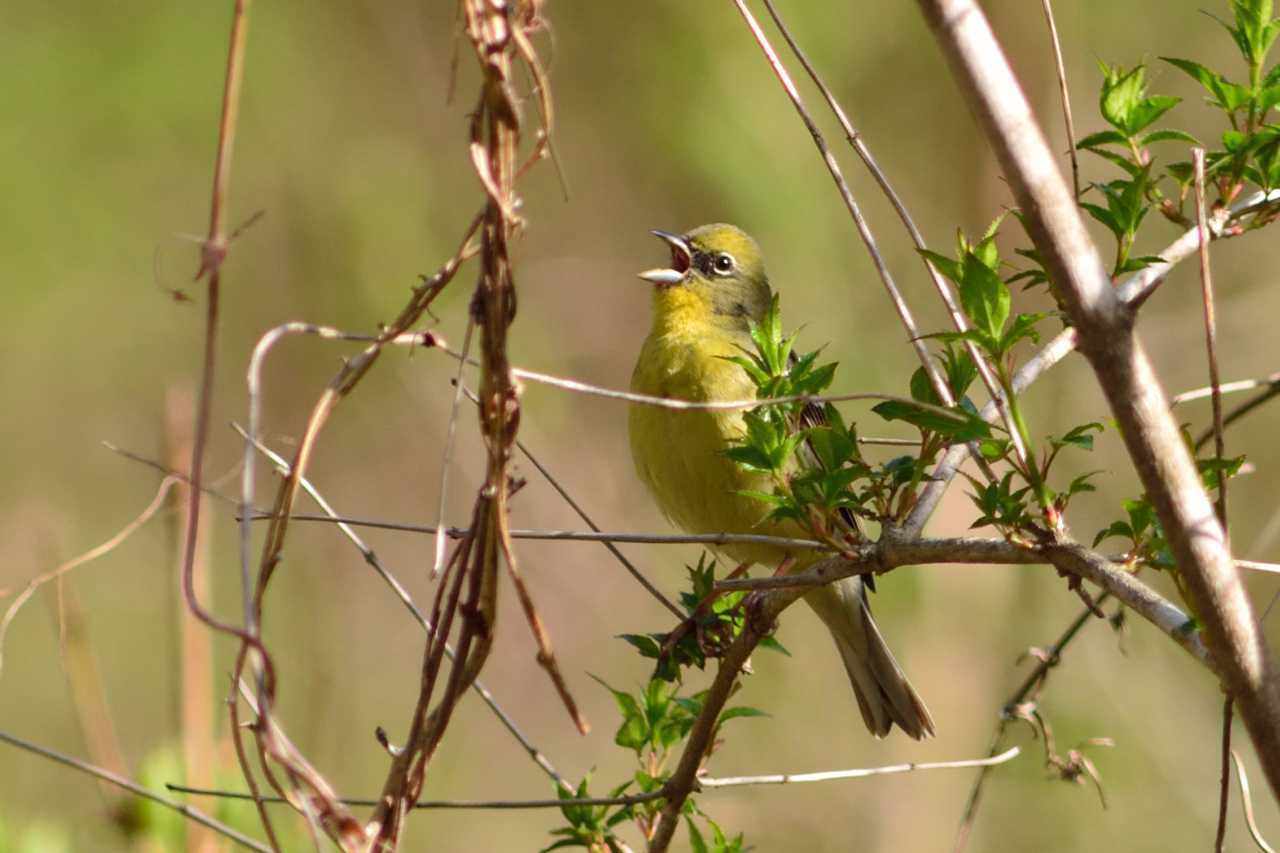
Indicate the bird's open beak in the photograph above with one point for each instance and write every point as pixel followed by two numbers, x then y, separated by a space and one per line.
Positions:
pixel 681 260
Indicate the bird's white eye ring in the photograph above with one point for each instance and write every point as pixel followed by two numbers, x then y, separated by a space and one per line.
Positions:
pixel 723 263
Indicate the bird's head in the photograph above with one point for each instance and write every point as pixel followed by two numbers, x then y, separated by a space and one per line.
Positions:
pixel 716 275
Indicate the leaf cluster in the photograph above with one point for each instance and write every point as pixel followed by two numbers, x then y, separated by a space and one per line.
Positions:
pixel 714 622
pixel 1250 152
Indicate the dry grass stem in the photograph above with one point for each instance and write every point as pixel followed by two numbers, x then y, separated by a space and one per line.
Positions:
pixel 1246 804
pixel 157 503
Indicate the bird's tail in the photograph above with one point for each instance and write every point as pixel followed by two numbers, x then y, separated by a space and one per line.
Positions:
pixel 884 695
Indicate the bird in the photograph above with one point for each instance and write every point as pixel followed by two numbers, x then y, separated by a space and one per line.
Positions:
pixel 704 305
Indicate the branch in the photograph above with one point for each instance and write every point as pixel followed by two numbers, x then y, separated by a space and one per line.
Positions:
pixel 861 773
pixel 370 557
pixel 891 552
pixel 134 788
pixel 650 796
pixel 1105 328
pixel 1133 292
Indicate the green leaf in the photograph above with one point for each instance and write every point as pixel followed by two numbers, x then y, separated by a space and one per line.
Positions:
pixel 771 642
pixel 1224 94
pixel 1023 326
pixel 1081 484
pixel 1150 109
pixel 1121 94
pixel 922 388
pixel 1116 528
pixel 634 732
pixel 1169 135
pixel 948 267
pixel 697 843
pixel 1104 137
pixel 1080 436
pixel 984 296
pixel 749 457
pixel 647 644
pixel 956 424
pixel 740 711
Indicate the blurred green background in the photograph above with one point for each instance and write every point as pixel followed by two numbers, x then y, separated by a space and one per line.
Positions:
pixel 668 118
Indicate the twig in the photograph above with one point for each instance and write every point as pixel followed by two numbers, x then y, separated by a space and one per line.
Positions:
pixel 760 611
pixel 1239 412
pixel 213 252
pixel 1032 682
pixel 446 459
pixel 707 782
pixel 1133 292
pixel 864 231
pixel 1211 349
pixel 271 746
pixel 630 800
pixel 890 553
pixel 193 660
pixel 859 773
pixel 582 513
pixel 401 593
pixel 1224 796
pixel 106 775
pixel 92 554
pixel 1268 382
pixel 1210 339
pixel 569 535
pixel 708 405
pixel 1246 803
pixel 957 316
pixel 1066 95
pixel 1125 374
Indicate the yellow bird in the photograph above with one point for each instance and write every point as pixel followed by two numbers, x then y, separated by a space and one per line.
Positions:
pixel 703 305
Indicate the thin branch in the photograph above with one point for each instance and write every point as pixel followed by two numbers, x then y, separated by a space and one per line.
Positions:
pixel 1224 796
pixel 705 782
pixel 1240 411
pixel 957 316
pixel 975 794
pixel 370 557
pixel 1256 566
pixel 1125 374
pixel 213 253
pixel 864 231
pixel 1223 223
pixel 630 800
pixel 1211 349
pixel 1065 93
pixel 446 459
pixel 134 788
pixel 1268 382
pixel 1032 682
pixel 891 552
pixel 1246 803
pixel 860 773
pixel 582 513
pixel 570 535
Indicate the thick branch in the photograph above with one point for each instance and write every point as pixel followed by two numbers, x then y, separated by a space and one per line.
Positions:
pixel 1106 337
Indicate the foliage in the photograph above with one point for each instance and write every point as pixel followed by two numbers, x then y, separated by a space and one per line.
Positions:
pixel 657 719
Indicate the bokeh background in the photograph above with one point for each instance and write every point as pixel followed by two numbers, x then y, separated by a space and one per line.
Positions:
pixel 668 117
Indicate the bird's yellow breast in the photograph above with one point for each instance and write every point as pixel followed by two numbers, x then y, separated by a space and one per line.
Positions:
pixel 677 453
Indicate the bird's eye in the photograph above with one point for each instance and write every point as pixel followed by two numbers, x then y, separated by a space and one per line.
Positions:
pixel 723 263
